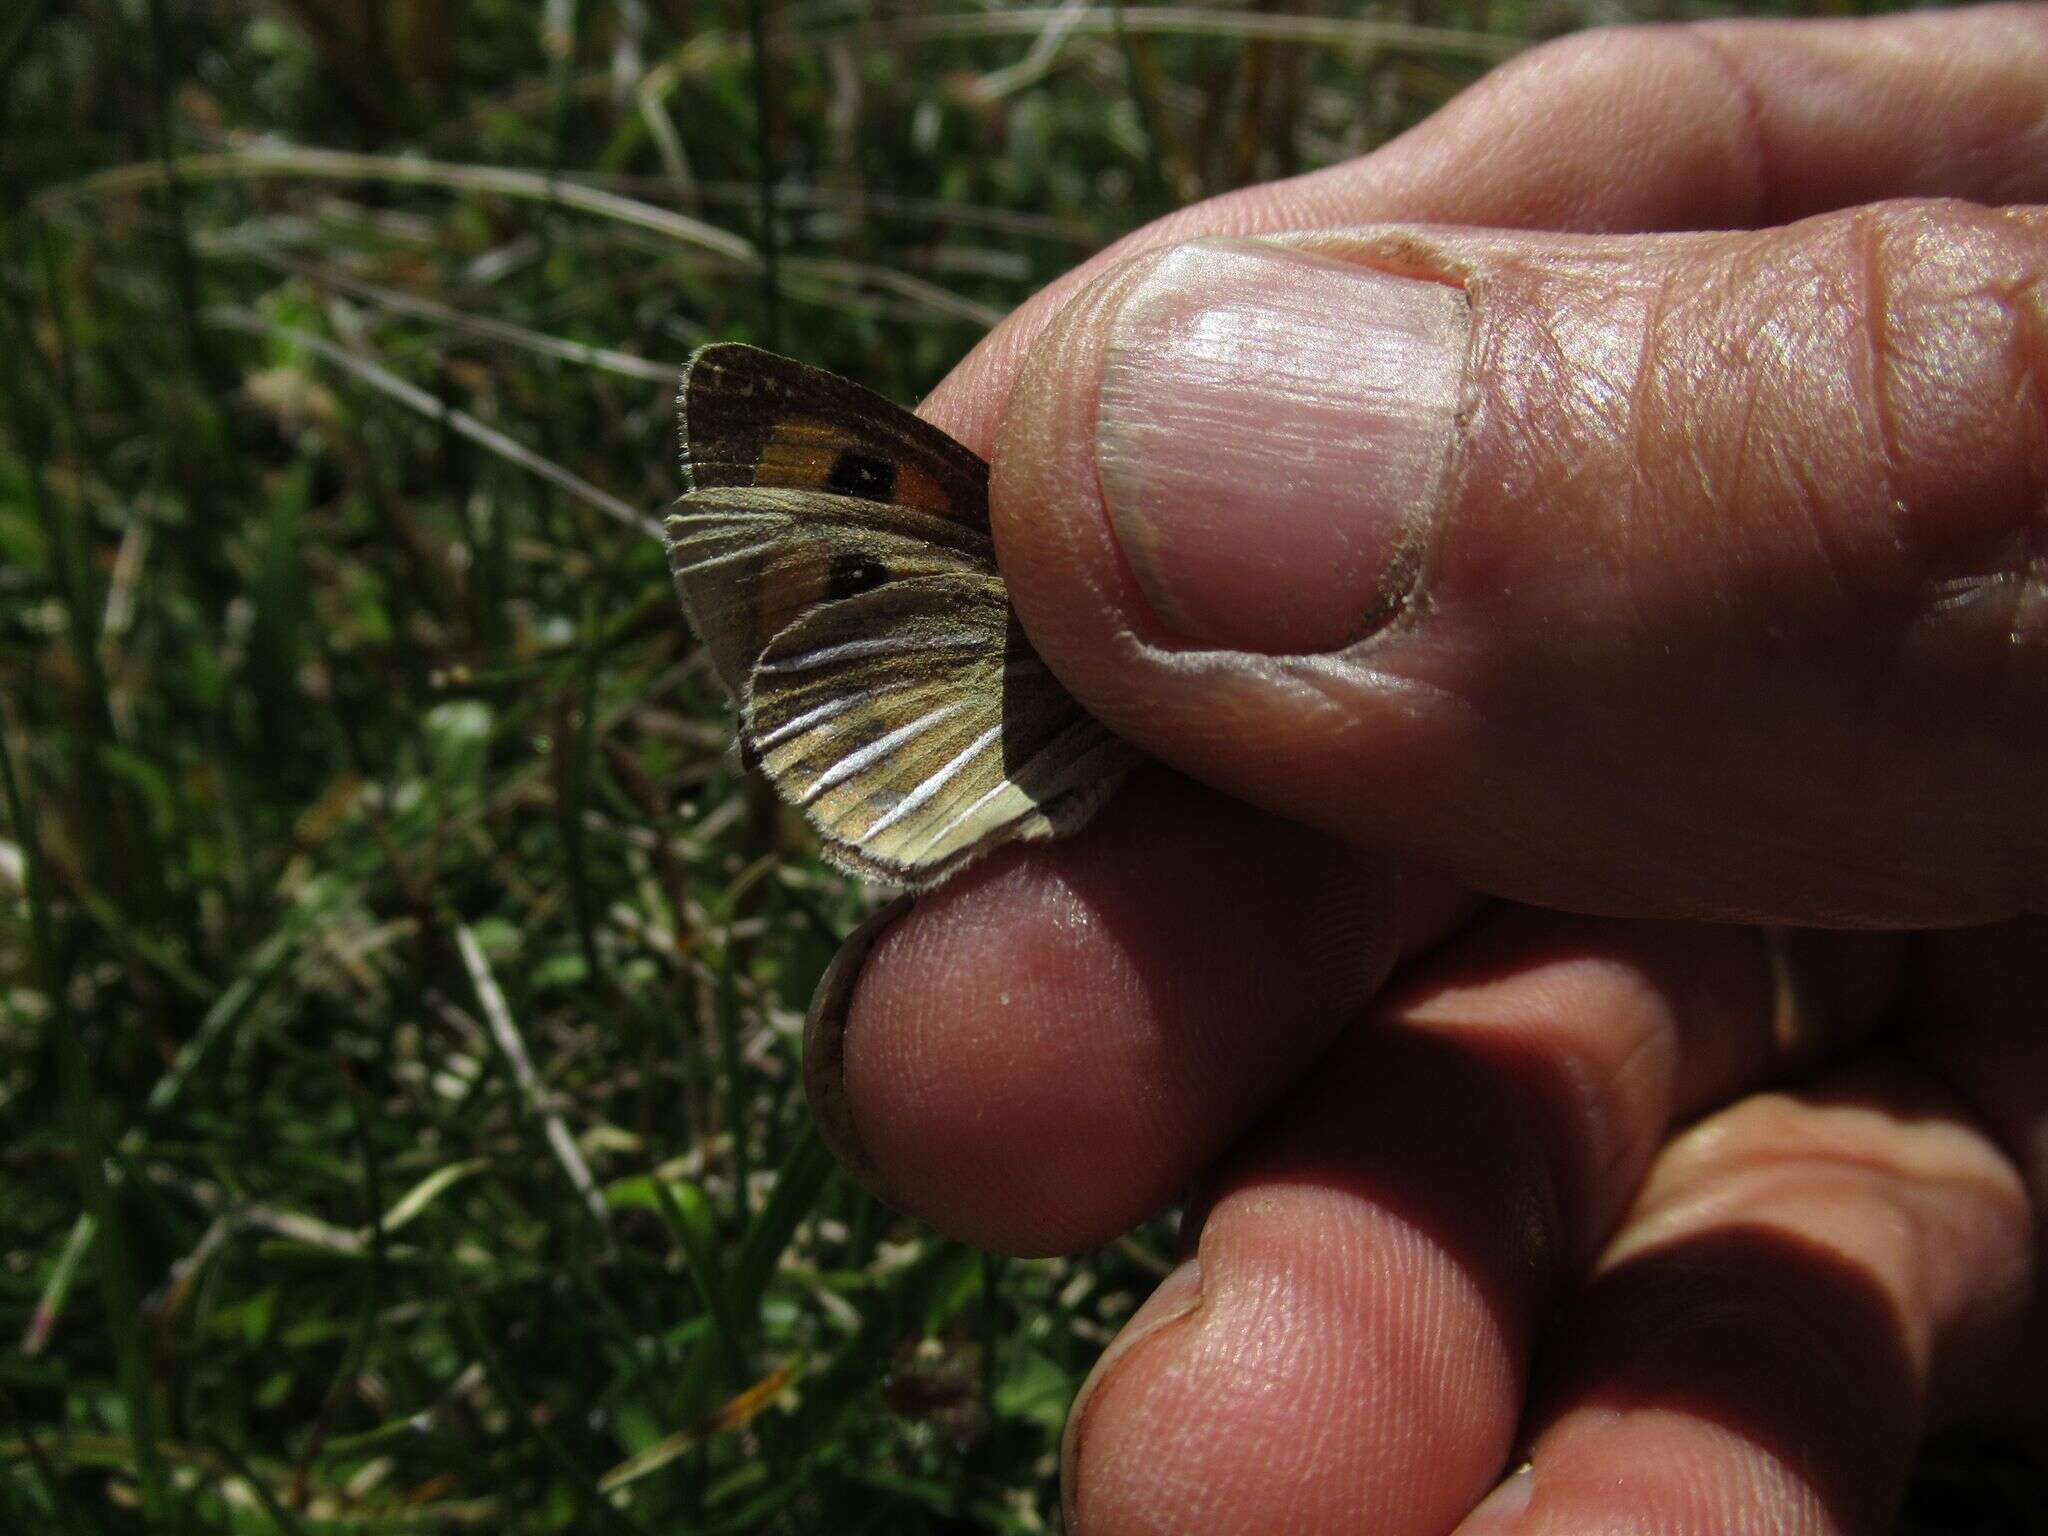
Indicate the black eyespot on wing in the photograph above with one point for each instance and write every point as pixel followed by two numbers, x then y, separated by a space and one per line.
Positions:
pixel 855 473
pixel 853 574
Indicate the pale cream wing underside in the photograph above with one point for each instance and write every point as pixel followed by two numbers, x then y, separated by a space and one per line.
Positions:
pixel 748 561
pixel 917 729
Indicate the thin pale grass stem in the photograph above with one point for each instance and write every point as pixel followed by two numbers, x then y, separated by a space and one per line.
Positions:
pixel 341 165
pixel 1323 31
pixel 628 63
pixel 49 1308
pixel 704 53
pixel 863 203
pixel 925 294
pixel 1037 62
pixel 440 413
pixel 119 610
pixel 391 299
pixel 498 1018
pixel 668 141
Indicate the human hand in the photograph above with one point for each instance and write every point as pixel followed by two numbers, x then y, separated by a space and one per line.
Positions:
pixel 1697 577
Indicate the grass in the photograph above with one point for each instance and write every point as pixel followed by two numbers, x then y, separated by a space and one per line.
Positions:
pixel 398 1049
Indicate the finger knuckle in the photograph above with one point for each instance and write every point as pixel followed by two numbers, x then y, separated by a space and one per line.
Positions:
pixel 1953 311
pixel 1643 78
pixel 1615 56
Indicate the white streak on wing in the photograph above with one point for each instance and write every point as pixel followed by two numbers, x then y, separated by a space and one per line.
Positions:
pixel 936 782
pixel 825 713
pixel 881 645
pixel 689 525
pixel 874 751
pixel 817 715
pixel 693 566
pixel 958 821
pixel 1014 781
pixel 718 525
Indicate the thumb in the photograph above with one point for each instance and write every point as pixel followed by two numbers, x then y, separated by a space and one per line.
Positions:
pixel 1679 575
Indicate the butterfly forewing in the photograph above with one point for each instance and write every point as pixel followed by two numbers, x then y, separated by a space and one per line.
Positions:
pixel 751 418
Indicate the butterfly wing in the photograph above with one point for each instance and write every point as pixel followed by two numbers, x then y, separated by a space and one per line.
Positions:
pixel 917 729
pixel 833 553
pixel 747 562
pixel 751 418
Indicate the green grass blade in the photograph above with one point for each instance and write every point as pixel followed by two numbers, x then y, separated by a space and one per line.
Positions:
pixel 690 1218
pixel 798 1184
pixel 119 1295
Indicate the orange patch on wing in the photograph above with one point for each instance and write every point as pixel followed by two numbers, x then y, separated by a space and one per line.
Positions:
pixel 800 453
pixel 915 488
pixel 803 451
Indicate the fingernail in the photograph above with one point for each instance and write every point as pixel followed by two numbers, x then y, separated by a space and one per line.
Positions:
pixel 1272 434
pixel 1502 1510
pixel 1175 1299
pixel 825 1045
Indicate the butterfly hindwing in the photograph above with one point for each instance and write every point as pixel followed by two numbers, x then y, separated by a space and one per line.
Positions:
pixel 916 727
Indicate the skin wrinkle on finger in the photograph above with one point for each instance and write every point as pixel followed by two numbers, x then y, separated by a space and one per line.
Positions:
pixel 1597 1094
pixel 1612 1032
pixel 1955 346
pixel 1375 1264
pixel 1326 1304
pixel 1807 1284
pixel 1929 1184
pixel 1722 50
pixel 1824 83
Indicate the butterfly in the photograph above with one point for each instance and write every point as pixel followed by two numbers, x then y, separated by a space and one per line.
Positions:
pixel 833 554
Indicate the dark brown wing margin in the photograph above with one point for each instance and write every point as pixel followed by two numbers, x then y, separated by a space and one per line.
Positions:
pixel 752 418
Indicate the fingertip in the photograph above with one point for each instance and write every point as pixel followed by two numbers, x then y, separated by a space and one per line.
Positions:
pixel 824 1055
pixel 1336 1365
pixel 1044 1051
